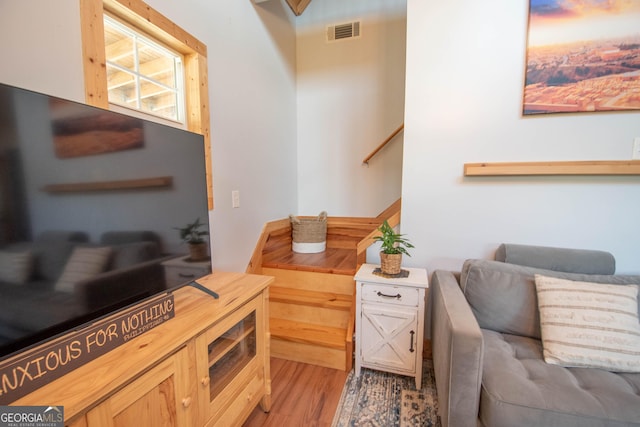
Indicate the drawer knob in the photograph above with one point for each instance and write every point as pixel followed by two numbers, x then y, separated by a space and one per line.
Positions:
pixel 380 294
pixel 186 402
pixel 205 381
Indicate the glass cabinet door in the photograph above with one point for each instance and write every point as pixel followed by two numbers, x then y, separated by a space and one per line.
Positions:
pixel 232 365
pixel 231 352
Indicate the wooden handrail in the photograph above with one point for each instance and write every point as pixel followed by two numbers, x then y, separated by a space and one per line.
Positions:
pixel 382 145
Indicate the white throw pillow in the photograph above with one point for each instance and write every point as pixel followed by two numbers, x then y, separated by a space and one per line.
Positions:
pixel 15 267
pixel 83 263
pixel 589 324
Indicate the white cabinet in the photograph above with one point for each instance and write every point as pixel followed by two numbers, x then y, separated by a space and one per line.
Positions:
pixel 388 337
pixel 390 321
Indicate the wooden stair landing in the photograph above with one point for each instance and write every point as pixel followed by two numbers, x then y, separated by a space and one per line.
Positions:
pixel 312 300
pixel 332 261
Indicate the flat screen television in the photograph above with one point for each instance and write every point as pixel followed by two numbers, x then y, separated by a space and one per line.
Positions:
pixel 90 205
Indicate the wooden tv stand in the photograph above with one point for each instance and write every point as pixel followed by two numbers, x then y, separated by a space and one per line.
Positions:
pixel 209 365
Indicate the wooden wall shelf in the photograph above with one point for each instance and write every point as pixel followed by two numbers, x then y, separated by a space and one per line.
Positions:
pixel 608 167
pixel 129 184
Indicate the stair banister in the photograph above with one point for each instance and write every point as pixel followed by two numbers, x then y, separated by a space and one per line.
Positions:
pixel 383 144
pixel 362 246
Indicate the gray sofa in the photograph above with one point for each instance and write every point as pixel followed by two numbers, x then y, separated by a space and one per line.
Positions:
pixel 487 348
pixel 133 269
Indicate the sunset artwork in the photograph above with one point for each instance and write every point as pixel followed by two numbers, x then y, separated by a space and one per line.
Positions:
pixel 582 55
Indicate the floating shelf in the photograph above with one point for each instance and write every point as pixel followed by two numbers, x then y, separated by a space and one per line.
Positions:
pixel 609 167
pixel 129 184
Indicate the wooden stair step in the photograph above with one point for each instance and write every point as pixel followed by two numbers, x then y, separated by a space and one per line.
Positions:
pixel 311 298
pixel 332 260
pixel 308 333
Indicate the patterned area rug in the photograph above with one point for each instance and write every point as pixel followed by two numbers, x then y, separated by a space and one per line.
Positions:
pixel 383 399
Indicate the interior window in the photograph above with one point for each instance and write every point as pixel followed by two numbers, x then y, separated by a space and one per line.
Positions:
pixel 158 36
pixel 141 73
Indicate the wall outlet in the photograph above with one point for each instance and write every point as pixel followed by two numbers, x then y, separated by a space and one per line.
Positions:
pixel 235 199
pixel 636 148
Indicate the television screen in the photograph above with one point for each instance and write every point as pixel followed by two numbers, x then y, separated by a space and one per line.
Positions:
pixel 91 203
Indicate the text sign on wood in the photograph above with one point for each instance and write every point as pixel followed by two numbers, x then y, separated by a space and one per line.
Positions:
pixel 25 373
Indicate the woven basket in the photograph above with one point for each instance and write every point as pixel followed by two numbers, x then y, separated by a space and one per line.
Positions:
pixel 390 263
pixel 309 235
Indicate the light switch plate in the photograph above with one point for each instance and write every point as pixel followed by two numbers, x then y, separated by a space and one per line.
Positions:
pixel 235 199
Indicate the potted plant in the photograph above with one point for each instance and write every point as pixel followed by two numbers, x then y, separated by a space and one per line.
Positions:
pixel 193 236
pixel 393 246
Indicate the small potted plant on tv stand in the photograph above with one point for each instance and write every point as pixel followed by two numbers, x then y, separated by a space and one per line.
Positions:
pixel 193 236
pixel 393 246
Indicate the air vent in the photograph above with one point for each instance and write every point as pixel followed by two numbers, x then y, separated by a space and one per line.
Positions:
pixel 343 31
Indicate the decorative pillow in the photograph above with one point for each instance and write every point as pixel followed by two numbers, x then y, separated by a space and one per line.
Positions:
pixel 589 324
pixel 83 263
pixel 15 267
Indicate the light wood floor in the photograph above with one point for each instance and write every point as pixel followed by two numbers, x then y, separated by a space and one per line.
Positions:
pixel 301 395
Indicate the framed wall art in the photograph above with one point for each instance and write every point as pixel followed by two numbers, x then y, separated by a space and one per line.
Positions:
pixel 582 56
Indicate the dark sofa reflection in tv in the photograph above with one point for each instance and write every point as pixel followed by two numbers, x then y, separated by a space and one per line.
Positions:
pixel 77 240
pixel 123 267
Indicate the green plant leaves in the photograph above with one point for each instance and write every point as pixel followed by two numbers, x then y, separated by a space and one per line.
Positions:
pixel 392 242
pixel 190 233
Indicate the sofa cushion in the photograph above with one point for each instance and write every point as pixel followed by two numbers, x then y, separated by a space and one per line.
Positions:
pixel 49 258
pixel 83 263
pixel 503 296
pixel 520 389
pixel 15 267
pixel 583 261
pixel 589 324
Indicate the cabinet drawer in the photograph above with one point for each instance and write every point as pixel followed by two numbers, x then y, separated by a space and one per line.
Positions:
pixel 389 294
pixel 240 408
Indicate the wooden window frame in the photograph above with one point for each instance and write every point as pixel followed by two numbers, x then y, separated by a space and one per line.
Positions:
pixel 142 16
pixel 139 75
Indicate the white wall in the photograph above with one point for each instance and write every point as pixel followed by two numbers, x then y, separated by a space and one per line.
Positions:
pixel 350 98
pixel 465 68
pixel 41 47
pixel 251 59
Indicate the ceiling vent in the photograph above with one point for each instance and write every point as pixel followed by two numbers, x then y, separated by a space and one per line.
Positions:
pixel 343 31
